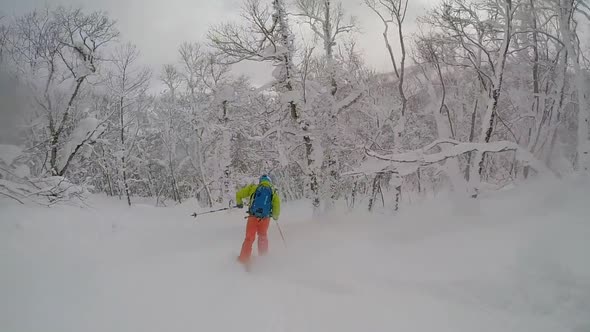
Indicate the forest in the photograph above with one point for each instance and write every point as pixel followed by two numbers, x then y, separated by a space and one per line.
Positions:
pixel 488 93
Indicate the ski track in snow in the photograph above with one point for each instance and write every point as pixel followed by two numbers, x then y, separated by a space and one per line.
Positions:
pixel 516 262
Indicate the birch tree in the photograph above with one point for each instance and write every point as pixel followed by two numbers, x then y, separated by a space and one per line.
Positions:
pixel 267 36
pixel 328 23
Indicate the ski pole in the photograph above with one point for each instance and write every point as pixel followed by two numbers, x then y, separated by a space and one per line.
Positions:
pixel 281 232
pixel 218 210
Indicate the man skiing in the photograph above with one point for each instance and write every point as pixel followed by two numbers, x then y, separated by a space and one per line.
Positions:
pixel 264 203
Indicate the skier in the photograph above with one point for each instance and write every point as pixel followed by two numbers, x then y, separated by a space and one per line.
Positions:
pixel 264 203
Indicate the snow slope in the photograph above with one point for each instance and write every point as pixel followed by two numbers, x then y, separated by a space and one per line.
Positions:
pixel 516 262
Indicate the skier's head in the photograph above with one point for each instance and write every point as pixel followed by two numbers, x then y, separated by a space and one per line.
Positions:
pixel 265 178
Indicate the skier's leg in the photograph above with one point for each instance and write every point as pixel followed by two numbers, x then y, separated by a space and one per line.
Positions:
pixel 251 228
pixel 263 236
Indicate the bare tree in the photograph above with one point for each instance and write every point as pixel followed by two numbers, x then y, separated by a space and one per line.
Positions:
pixel 430 56
pixel 267 37
pixel 204 77
pixel 4 29
pixel 252 41
pixel 327 21
pixel 485 46
pixel 394 12
pixel 61 45
pixel 200 69
pixel 171 78
pixel 567 25
pixel 127 82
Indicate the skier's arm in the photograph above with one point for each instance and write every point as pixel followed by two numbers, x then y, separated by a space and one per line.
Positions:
pixel 276 206
pixel 244 193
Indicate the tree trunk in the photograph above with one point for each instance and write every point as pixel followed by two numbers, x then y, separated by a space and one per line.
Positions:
pixel 56 133
pixel 445 128
pixel 374 191
pixel 123 150
pixel 495 89
pixel 535 74
pixel 328 46
pixel 286 39
pixel 583 144
pixel 471 138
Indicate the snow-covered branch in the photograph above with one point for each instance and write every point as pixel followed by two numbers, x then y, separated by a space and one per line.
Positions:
pixel 420 157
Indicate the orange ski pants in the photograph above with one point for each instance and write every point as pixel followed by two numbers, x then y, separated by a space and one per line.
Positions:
pixel 255 226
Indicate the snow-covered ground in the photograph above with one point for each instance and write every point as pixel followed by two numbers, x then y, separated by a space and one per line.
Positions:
pixel 519 261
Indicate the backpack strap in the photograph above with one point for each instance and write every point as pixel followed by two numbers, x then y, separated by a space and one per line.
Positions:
pixel 252 200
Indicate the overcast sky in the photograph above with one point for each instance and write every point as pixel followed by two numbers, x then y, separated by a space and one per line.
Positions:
pixel 158 27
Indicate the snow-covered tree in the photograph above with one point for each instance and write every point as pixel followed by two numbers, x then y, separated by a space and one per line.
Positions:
pixel 127 83
pixel 487 93
pixel 55 53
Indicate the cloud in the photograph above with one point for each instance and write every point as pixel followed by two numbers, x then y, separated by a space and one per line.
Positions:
pixel 158 27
